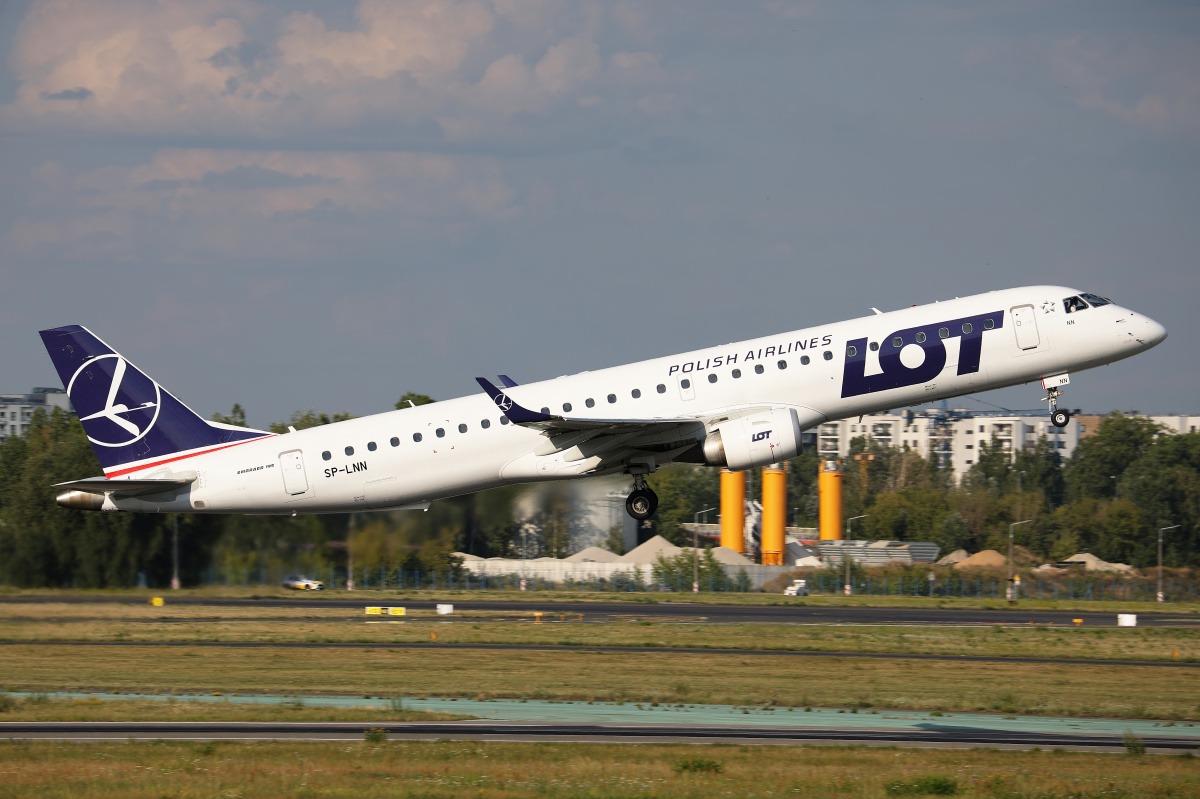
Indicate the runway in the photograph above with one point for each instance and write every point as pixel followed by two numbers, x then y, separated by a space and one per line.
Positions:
pixel 672 650
pixel 688 612
pixel 929 736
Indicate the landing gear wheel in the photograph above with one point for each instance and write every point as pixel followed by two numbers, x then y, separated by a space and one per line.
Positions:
pixel 641 504
pixel 1060 418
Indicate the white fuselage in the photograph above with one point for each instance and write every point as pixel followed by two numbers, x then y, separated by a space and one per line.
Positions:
pixel 466 445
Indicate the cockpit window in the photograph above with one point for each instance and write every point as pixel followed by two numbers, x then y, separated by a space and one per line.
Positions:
pixel 1073 304
pixel 1096 301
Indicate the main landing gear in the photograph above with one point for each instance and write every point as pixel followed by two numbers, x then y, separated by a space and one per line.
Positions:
pixel 642 503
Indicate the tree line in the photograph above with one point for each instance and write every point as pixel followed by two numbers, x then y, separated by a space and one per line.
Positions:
pixel 1109 498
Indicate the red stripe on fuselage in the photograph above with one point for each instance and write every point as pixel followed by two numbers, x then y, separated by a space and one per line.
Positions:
pixel 183 457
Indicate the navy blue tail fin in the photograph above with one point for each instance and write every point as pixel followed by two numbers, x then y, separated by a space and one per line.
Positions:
pixel 132 422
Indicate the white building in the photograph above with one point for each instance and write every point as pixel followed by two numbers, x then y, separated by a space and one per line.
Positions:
pixel 951 437
pixel 17 409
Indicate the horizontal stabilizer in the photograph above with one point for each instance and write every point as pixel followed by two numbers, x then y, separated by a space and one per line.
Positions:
pixel 127 488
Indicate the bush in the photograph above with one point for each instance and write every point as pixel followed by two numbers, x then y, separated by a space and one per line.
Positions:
pixel 7 703
pixel 375 735
pixel 1134 745
pixel 698 765
pixel 929 785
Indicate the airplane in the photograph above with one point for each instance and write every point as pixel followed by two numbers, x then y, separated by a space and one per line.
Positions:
pixel 737 406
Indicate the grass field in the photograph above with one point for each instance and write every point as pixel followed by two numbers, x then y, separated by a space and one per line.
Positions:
pixel 1056 689
pixel 94 622
pixel 42 708
pixel 502 770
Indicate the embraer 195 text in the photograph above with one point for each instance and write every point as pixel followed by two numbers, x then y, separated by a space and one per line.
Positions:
pixel 736 405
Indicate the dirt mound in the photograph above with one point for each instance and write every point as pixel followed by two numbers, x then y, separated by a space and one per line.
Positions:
pixel 987 559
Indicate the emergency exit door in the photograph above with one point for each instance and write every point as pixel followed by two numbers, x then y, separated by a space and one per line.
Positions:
pixel 1025 327
pixel 295 481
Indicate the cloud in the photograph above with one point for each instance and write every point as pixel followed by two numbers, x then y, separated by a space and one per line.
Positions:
pixel 79 93
pixel 463 69
pixel 201 205
pixel 1150 82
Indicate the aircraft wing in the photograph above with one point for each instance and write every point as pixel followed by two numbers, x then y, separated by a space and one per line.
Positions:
pixel 554 424
pixel 127 488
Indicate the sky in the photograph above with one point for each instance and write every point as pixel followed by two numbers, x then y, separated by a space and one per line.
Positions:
pixel 312 205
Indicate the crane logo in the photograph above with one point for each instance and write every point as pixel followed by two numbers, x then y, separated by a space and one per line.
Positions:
pixel 117 405
pixel 504 403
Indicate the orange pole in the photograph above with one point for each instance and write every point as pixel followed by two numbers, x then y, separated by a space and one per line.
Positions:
pixel 733 510
pixel 829 492
pixel 774 517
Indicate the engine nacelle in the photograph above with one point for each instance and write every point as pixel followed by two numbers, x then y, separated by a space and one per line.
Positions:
pixel 757 439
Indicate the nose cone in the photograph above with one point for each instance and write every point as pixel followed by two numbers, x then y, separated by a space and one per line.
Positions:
pixel 1152 332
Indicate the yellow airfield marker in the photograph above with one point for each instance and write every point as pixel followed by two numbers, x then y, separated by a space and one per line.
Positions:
pixel 157 602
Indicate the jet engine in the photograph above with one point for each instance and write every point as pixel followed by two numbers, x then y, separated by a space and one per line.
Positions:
pixel 757 439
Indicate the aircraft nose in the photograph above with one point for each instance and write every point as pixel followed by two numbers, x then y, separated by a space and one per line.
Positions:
pixel 1154 333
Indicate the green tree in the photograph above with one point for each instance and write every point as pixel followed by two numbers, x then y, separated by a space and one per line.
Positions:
pixel 302 420
pixel 236 416
pixel 414 399
pixel 1100 460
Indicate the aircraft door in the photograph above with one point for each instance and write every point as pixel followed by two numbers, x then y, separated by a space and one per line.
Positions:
pixel 687 388
pixel 295 481
pixel 1025 327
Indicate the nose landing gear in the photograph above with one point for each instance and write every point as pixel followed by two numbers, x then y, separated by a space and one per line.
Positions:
pixel 642 502
pixel 1058 417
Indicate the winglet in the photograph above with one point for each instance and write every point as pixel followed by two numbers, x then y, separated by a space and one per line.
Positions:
pixel 507 381
pixel 514 412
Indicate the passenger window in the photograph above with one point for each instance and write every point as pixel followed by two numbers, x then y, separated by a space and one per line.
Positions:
pixel 661 389
pixel 612 398
pixel 712 378
pixel 1073 304
pixel 758 368
pixel 988 324
pixel 943 332
pixel 737 373
pixel 591 403
pixel 395 442
pixel 1095 301
pixel 349 450
pixel 416 436
pixel 371 446
pixel 897 342
pixel 462 428
pixel 827 355
pixel 636 393
pixel 967 328
pixel 920 338
pixel 325 455
pixel 874 346
pixel 805 360
pixel 546 411
pixel 783 364
pixel 485 423
pixel 852 351
pixel 566 407
pixel 440 432
pixel 685 384
pixel 503 420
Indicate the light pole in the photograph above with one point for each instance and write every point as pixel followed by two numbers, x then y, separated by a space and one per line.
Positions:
pixel 846 550
pixel 1160 532
pixel 1011 527
pixel 696 549
pixel 174 553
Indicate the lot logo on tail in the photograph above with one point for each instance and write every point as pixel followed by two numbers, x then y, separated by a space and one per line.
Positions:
pixel 931 341
pixel 116 404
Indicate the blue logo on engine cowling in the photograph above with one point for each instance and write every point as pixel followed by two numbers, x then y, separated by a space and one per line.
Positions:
pixel 894 374
pixel 761 436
